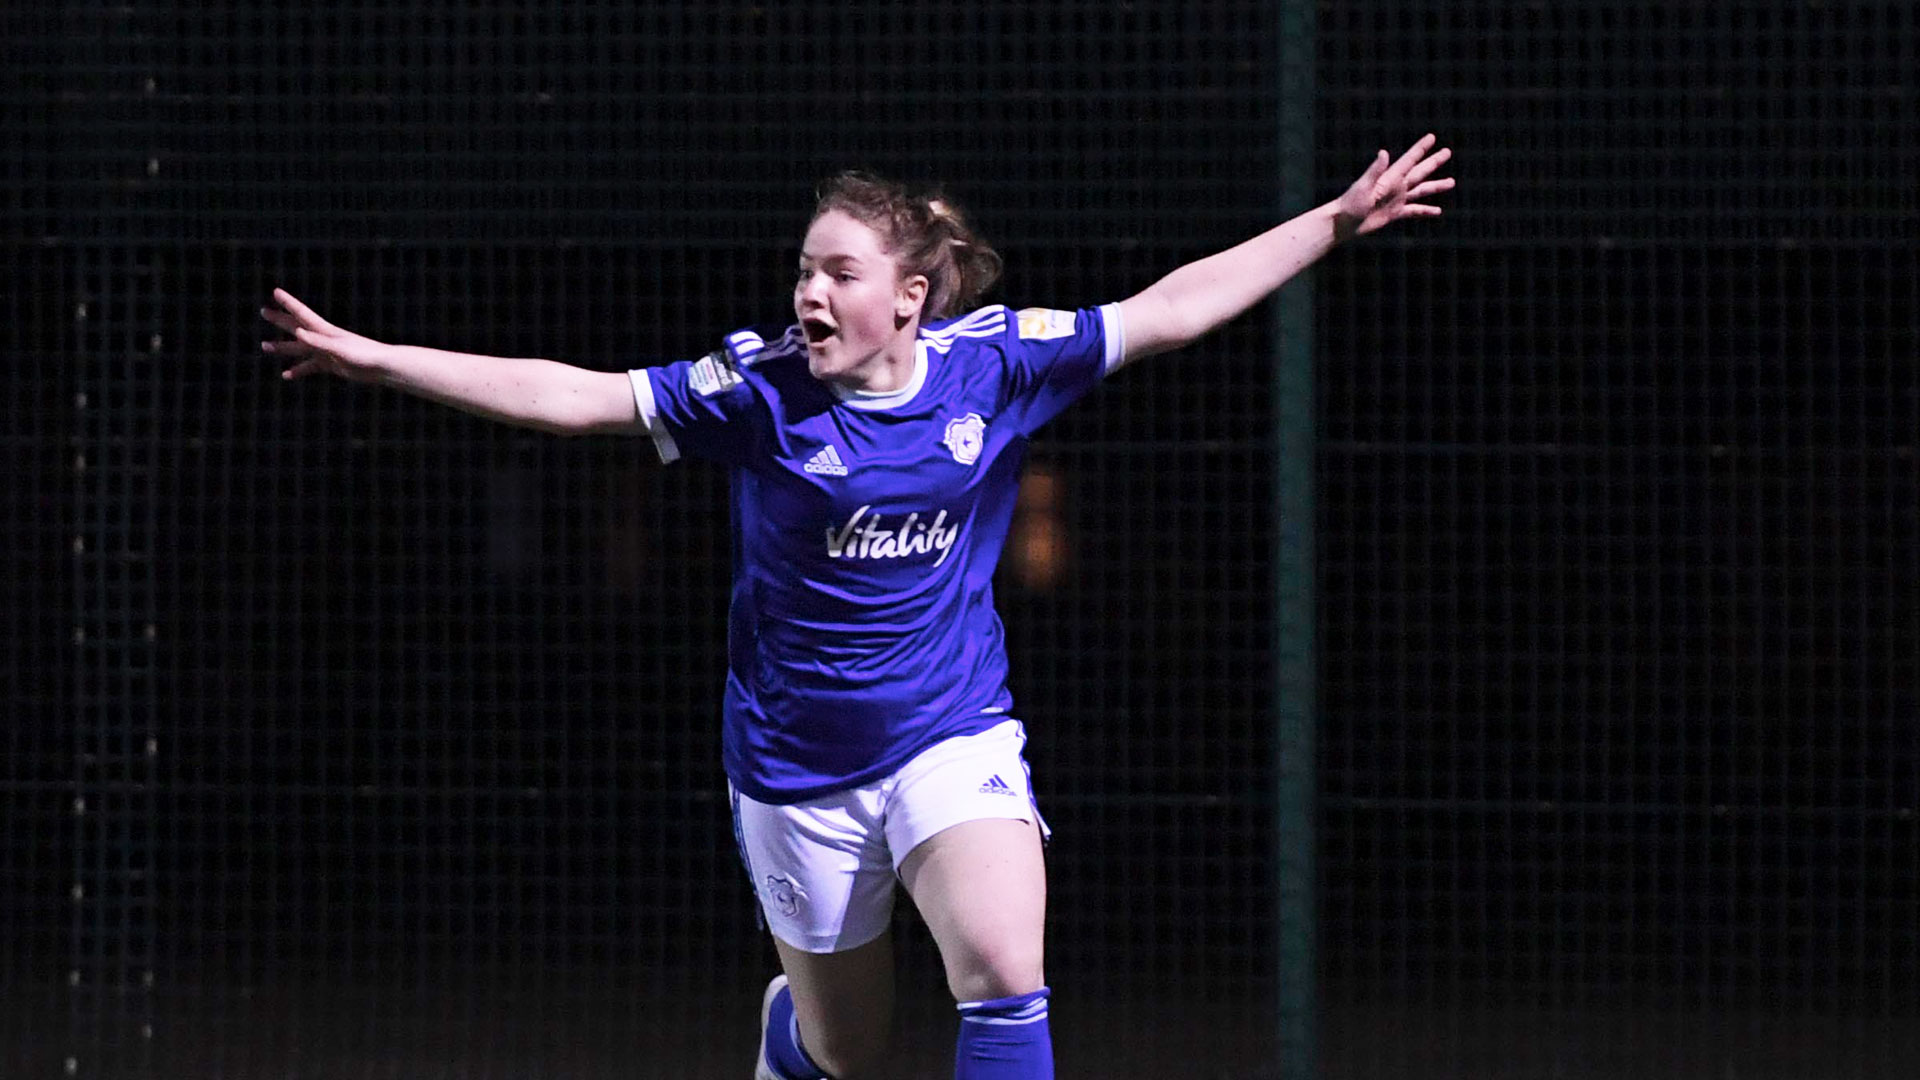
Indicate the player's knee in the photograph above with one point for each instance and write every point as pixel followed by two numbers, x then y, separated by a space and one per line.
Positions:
pixel 1004 971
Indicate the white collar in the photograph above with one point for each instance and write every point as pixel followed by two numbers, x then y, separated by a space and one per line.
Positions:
pixel 888 399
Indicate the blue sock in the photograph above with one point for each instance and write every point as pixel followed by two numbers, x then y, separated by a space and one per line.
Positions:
pixel 784 1052
pixel 1005 1039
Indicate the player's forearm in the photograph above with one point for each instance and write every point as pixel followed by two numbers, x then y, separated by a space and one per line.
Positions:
pixel 541 394
pixel 1206 294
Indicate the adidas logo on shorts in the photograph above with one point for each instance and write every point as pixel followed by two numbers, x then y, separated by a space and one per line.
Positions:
pixel 827 463
pixel 996 786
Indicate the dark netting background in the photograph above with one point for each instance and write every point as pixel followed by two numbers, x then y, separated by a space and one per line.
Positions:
pixel 354 737
pixel 1621 632
pixel 362 738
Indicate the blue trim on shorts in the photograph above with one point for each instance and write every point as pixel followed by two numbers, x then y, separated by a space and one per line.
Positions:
pixel 1033 794
pixel 746 864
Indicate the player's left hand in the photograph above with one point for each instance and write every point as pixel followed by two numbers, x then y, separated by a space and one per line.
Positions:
pixel 1386 193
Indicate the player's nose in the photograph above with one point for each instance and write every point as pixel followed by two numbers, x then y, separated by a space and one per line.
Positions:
pixel 811 291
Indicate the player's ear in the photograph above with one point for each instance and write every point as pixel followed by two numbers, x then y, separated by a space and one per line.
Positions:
pixel 909 297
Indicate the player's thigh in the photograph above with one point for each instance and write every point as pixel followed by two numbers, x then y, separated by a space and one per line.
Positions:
pixel 843 1002
pixel 824 877
pixel 981 887
pixel 821 869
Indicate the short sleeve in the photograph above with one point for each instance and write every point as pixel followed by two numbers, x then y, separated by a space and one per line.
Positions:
pixel 703 408
pixel 1054 357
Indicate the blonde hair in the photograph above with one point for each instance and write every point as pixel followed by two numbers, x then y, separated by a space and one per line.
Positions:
pixel 925 230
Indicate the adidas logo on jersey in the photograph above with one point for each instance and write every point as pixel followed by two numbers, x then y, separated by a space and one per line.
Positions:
pixel 996 786
pixel 827 463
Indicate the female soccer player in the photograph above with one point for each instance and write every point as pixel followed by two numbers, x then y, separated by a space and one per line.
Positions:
pixel 874 447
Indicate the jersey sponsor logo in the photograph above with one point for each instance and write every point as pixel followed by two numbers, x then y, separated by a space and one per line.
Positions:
pixel 711 374
pixel 996 786
pixel 867 536
pixel 826 463
pixel 1042 324
pixel 965 437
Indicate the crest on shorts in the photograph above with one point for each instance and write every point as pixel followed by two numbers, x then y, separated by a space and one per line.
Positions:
pixel 783 895
pixel 965 437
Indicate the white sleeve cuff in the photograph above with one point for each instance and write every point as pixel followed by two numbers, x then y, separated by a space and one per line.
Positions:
pixel 1114 328
pixel 663 443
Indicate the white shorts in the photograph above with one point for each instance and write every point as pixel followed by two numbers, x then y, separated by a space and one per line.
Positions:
pixel 824 869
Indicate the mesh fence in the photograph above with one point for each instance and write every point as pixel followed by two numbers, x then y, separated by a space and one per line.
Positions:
pixel 358 738
pixel 379 741
pixel 1619 578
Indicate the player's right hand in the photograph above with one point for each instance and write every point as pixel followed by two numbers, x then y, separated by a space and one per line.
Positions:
pixel 318 346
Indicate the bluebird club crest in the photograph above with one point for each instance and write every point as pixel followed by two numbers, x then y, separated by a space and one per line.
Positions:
pixel 965 437
pixel 784 896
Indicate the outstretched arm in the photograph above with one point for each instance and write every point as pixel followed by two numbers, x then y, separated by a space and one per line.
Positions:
pixel 540 394
pixel 1204 295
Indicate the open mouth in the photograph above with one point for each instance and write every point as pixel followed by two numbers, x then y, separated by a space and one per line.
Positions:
pixel 817 330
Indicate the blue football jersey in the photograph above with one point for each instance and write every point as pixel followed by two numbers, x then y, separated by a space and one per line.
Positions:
pixel 866 528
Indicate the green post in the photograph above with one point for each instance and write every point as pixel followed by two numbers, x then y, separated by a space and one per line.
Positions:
pixel 1296 676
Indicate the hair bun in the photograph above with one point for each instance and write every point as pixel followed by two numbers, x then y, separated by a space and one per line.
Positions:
pixel 925 230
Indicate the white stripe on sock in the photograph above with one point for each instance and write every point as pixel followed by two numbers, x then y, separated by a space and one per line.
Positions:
pixel 1007 1021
